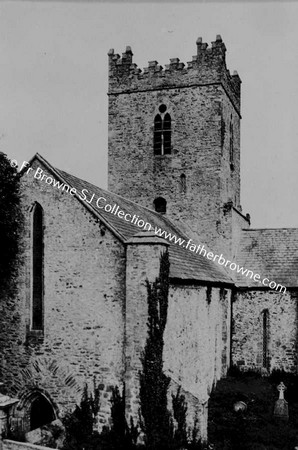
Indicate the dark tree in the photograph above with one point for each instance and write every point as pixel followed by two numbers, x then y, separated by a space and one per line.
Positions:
pixel 79 432
pixel 10 220
pixel 79 425
pixel 179 411
pixel 156 421
pixel 121 436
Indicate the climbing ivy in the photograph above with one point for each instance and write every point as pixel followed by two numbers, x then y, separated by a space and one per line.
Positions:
pixel 156 422
pixel 11 220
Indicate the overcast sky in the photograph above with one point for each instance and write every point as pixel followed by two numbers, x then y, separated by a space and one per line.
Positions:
pixel 53 84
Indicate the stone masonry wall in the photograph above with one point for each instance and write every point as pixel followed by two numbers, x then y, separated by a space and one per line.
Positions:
pixel 142 177
pixel 14 445
pixel 143 263
pixel 197 341
pixel 197 334
pixel 207 66
pixel 240 222
pixel 247 333
pixel 84 276
pixel 201 108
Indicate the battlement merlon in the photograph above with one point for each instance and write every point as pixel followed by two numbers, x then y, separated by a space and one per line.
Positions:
pixel 208 66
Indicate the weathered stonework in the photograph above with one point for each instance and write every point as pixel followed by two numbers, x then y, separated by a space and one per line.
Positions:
pixel 143 262
pixel 197 337
pixel 247 337
pixel 14 445
pixel 84 279
pixel 203 100
pixel 95 316
pixel 96 267
pixel 197 334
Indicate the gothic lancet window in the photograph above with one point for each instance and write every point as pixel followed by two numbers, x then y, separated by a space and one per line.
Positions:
pixel 37 269
pixel 183 183
pixel 167 134
pixel 162 132
pixel 157 135
pixel 231 145
pixel 265 331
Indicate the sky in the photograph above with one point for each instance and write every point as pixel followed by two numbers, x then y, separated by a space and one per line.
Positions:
pixel 54 82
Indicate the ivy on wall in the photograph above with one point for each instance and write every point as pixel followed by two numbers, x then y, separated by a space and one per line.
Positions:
pixel 156 422
pixel 11 221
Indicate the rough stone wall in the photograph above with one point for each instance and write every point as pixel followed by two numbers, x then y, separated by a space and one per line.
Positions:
pixel 207 66
pixel 201 106
pixel 197 341
pixel 84 285
pixel 230 173
pixel 14 445
pixel 231 220
pixel 196 414
pixel 197 335
pixel 143 263
pixel 239 222
pixel 247 331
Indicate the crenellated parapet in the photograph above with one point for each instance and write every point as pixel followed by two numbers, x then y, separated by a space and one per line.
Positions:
pixel 208 66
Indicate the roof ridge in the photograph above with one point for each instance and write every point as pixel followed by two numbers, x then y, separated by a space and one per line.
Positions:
pixel 158 215
pixel 165 219
pixel 57 173
pixel 196 267
pixel 272 228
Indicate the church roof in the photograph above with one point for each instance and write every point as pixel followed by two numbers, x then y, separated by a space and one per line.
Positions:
pixel 272 253
pixel 184 264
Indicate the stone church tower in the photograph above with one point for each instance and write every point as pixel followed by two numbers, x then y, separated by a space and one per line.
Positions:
pixel 174 140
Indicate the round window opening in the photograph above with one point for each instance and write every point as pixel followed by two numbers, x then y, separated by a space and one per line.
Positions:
pixel 162 108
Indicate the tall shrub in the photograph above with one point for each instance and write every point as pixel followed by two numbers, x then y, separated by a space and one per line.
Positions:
pixel 179 412
pixel 79 433
pixel 10 220
pixel 156 421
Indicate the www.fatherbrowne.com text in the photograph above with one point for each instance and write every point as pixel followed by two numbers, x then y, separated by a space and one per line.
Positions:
pixel 101 204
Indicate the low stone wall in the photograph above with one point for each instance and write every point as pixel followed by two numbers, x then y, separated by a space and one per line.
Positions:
pixel 15 445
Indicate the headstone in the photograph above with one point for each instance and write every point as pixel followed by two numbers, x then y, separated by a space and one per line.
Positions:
pixel 240 407
pixel 47 435
pixel 6 403
pixel 281 410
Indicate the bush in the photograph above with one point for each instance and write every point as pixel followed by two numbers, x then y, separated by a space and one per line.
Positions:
pixel 79 433
pixel 80 424
pixel 11 220
pixel 257 428
pixel 155 419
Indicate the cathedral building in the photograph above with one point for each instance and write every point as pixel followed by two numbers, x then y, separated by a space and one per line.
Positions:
pixel 79 310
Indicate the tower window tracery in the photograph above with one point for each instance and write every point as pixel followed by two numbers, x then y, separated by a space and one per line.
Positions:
pixel 162 132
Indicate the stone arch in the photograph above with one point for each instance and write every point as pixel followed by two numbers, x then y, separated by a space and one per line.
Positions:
pixel 34 410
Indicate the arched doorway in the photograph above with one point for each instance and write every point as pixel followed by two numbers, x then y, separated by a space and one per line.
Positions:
pixel 41 412
pixel 34 410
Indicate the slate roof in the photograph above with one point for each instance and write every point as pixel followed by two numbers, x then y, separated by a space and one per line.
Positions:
pixel 272 253
pixel 184 264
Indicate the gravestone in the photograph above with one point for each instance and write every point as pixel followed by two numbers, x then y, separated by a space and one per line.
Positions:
pixel 281 410
pixel 6 403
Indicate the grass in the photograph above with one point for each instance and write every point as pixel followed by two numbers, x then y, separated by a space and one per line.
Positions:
pixel 255 429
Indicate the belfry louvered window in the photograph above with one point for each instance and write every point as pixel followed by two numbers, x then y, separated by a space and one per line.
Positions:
pixel 162 132
pixel 37 269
